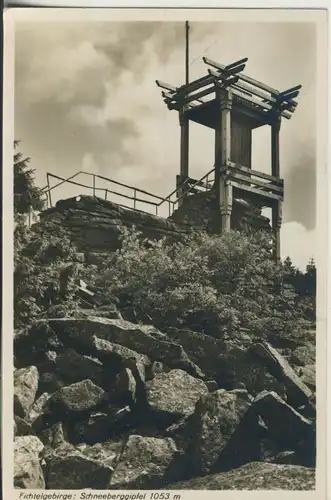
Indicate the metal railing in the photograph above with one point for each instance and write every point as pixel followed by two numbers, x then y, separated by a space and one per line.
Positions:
pixel 144 201
pixel 131 199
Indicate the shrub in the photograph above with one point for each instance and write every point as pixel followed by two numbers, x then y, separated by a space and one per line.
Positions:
pixel 220 285
pixel 39 260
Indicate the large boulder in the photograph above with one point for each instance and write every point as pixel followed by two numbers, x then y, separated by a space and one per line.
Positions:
pixel 173 395
pixel 254 476
pixel 31 344
pixel 268 427
pixel 145 462
pixel 102 426
pixel 38 409
pixel 115 355
pixel 25 389
pixel 27 469
pixel 74 367
pixel 202 349
pixel 238 365
pixel 284 423
pixel 77 398
pixel 70 469
pixel 214 421
pixel 297 392
pixel 143 339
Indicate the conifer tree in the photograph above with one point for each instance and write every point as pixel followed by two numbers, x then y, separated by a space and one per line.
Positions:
pixel 26 194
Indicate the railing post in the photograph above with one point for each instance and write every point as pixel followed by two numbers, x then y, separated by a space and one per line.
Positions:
pixel 49 193
pixel 106 193
pixel 134 198
pixel 93 180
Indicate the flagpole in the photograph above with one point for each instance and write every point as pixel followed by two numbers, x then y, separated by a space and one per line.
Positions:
pixel 187 29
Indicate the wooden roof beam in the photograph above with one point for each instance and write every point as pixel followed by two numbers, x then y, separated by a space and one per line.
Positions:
pixel 237 63
pixel 247 79
pixel 233 71
pixel 253 91
pixel 290 91
pixel 165 86
pixel 190 98
pixel 263 105
pixel 241 88
pixel 243 77
pixel 197 84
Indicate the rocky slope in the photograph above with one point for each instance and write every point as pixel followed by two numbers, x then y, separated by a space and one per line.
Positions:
pixel 104 403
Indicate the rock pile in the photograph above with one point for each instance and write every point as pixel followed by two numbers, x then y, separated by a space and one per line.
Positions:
pixel 95 225
pixel 104 403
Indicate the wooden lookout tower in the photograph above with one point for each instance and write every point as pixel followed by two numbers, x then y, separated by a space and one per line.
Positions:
pixel 233 104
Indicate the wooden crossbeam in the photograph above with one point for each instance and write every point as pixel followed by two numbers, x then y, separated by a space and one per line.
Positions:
pixel 197 84
pixel 266 100
pixel 257 173
pixel 230 81
pixel 200 183
pixel 243 77
pixel 190 98
pixel 264 105
pixel 178 107
pixel 165 86
pixel 168 97
pixel 289 99
pixel 198 96
pixel 250 189
pixel 264 185
pixel 289 91
pixel 246 88
pixel 237 63
pixel 289 96
pixel 233 71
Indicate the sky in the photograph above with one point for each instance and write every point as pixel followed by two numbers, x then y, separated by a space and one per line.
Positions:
pixel 86 99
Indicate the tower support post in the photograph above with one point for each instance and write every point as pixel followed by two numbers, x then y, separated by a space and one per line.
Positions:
pixel 275 171
pixel 184 153
pixel 276 225
pixel 222 156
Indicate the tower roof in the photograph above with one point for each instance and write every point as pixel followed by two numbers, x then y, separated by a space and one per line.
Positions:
pixel 260 103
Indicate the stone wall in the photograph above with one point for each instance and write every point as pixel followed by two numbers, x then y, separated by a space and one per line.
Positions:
pixel 202 212
pixel 95 225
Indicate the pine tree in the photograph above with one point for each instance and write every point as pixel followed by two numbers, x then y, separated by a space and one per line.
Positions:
pixel 26 195
pixel 310 277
